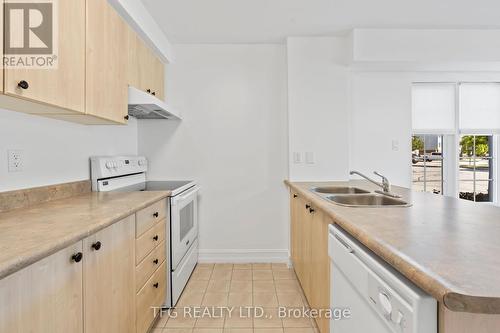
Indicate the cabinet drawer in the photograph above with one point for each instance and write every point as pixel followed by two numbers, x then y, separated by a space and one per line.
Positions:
pixel 148 216
pixel 149 240
pixel 151 295
pixel 144 270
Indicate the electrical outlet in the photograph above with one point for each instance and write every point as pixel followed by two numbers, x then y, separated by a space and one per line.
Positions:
pixel 15 158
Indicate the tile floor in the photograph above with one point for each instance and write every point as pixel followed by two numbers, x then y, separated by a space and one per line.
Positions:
pixel 267 286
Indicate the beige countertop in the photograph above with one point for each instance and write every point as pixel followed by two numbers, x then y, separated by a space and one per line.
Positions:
pixel 32 233
pixel 448 247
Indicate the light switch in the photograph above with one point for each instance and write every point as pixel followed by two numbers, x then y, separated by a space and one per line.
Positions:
pixel 297 157
pixel 310 157
pixel 395 145
pixel 15 160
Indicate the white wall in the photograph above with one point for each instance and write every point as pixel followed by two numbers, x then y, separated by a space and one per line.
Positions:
pixel 233 140
pixel 318 107
pixel 381 117
pixel 56 151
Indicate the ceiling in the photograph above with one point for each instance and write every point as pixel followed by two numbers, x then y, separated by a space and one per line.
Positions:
pixel 271 21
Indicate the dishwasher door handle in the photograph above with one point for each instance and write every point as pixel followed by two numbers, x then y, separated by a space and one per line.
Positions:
pixel 344 243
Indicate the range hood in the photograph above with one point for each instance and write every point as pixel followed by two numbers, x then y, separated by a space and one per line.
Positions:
pixel 142 105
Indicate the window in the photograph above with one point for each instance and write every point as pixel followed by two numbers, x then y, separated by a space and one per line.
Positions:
pixel 455 130
pixel 476 168
pixel 427 163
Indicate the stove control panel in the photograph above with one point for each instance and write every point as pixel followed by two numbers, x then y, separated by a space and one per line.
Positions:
pixel 115 166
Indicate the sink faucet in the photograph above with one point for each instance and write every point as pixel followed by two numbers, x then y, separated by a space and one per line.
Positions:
pixel 385 184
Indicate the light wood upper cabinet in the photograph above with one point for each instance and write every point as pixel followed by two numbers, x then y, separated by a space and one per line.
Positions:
pixel 106 62
pixel 44 297
pixel 63 87
pixel 1 46
pixel 109 285
pixel 145 70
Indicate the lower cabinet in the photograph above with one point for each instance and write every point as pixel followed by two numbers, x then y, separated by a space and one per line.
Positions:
pixel 88 287
pixel 151 263
pixel 109 285
pixel 309 250
pixel 45 296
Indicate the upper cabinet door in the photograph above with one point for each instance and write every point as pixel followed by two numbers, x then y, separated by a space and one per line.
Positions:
pixel 158 77
pixel 145 70
pixel 64 86
pixel 106 62
pixel 1 46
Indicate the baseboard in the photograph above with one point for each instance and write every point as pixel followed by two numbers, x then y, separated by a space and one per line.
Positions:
pixel 243 256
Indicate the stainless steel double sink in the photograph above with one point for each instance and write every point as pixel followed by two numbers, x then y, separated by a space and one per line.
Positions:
pixel 356 197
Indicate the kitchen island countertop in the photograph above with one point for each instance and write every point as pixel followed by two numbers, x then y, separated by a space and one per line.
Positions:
pixel 448 247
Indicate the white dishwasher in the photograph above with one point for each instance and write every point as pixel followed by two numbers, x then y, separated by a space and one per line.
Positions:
pixel 379 298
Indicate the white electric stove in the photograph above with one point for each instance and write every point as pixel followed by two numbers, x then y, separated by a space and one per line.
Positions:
pixel 128 173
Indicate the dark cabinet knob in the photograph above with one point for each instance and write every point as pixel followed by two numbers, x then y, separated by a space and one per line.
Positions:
pixel 308 206
pixel 77 257
pixel 126 117
pixel 156 214
pixel 23 85
pixel 153 93
pixel 295 195
pixel 156 285
pixel 155 237
pixel 311 210
pixel 148 90
pixel 96 246
pixel 156 261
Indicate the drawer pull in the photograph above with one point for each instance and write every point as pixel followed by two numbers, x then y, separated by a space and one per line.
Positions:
pixel 77 257
pixel 156 285
pixel 148 90
pixel 96 246
pixel 155 261
pixel 156 214
pixel 153 93
pixel 308 206
pixel 23 85
pixel 187 243
pixel 155 238
pixel 295 195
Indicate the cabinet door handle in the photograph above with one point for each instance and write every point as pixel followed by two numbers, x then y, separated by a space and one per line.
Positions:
pixel 308 206
pixel 77 257
pixel 156 285
pixel 97 246
pixel 311 210
pixel 148 90
pixel 155 238
pixel 156 261
pixel 295 195
pixel 153 93
pixel 23 85
pixel 126 117
pixel 156 214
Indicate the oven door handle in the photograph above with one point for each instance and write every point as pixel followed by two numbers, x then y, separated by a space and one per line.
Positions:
pixel 179 198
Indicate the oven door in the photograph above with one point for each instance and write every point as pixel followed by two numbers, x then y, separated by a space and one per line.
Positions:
pixel 184 209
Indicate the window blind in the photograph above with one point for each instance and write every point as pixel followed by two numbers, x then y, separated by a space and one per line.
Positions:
pixel 479 108
pixel 433 108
